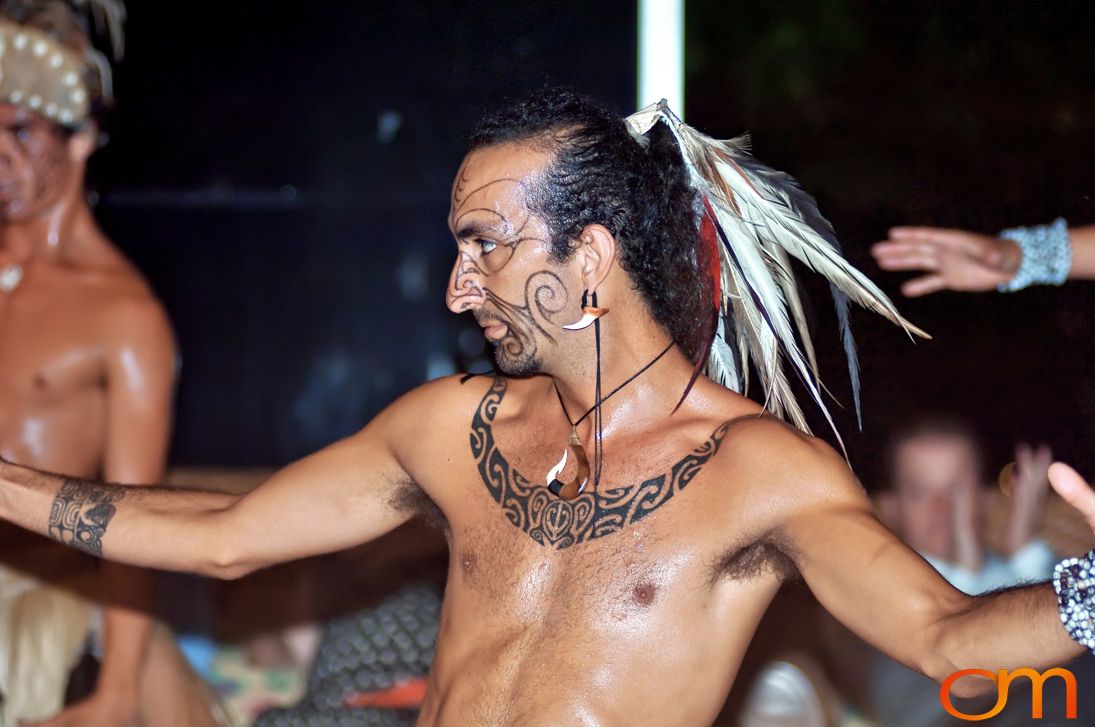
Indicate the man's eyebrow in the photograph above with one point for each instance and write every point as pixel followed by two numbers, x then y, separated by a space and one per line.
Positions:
pixel 472 229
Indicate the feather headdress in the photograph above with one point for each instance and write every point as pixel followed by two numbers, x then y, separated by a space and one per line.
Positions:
pixel 752 220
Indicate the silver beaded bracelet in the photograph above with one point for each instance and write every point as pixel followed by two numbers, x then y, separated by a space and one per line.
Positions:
pixel 1074 581
pixel 1047 255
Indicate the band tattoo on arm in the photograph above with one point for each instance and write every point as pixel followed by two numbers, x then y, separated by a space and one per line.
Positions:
pixel 561 523
pixel 81 512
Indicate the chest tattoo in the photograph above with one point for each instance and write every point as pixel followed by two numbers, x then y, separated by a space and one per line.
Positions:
pixel 561 523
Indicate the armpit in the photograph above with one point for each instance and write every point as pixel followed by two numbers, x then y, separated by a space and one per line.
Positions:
pixel 760 557
pixel 411 499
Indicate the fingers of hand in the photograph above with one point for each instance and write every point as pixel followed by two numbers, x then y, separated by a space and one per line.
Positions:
pixel 955 240
pixel 923 285
pixel 906 256
pixel 1043 456
pixel 1073 489
pixel 1033 462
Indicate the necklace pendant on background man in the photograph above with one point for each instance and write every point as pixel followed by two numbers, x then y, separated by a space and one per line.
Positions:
pixel 10 277
pixel 570 490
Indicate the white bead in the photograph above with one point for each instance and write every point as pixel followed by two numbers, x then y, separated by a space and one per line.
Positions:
pixel 78 95
pixel 34 101
pixel 56 60
pixel 65 117
pixel 20 41
pixel 40 47
pixel 51 110
pixel 15 96
pixel 70 78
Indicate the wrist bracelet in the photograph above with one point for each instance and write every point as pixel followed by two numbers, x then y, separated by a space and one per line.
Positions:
pixel 1074 581
pixel 1047 255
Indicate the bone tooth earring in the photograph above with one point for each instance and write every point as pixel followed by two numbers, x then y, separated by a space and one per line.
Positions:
pixel 589 314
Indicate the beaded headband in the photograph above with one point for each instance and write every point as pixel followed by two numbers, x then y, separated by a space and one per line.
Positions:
pixel 38 73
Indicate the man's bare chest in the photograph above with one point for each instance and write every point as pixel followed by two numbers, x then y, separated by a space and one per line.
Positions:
pixel 603 508
pixel 50 349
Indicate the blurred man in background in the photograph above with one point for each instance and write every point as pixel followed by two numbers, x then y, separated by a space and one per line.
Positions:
pixel 939 505
pixel 87 366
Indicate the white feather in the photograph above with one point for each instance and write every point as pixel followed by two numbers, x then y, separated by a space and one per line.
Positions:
pixel 765 218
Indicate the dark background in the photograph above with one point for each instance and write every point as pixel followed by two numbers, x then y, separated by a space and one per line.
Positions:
pixel 280 172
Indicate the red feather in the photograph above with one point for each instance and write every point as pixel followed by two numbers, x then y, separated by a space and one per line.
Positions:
pixel 708 257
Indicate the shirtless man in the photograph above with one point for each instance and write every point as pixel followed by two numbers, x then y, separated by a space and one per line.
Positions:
pixel 633 602
pixel 87 366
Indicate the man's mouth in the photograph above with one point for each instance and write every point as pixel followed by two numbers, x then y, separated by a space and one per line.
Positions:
pixel 493 330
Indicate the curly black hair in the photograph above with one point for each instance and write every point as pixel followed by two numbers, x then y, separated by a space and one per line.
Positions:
pixel 599 173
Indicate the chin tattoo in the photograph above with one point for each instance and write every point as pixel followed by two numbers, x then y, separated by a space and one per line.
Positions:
pixel 545 297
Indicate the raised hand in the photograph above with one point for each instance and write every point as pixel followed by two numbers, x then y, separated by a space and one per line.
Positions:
pixel 1074 490
pixel 952 259
pixel 1030 485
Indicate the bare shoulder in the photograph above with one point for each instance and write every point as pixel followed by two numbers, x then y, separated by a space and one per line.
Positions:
pixel 435 413
pixel 111 291
pixel 131 315
pixel 792 470
pixel 444 398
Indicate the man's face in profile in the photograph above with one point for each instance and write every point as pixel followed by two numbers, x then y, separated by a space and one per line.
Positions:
pixel 35 165
pixel 504 273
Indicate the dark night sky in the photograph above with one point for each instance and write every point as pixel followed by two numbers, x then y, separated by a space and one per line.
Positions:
pixel 281 172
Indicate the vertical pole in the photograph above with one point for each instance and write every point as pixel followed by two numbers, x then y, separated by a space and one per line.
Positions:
pixel 661 53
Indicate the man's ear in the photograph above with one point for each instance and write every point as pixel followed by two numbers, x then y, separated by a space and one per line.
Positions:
pixel 83 142
pixel 596 252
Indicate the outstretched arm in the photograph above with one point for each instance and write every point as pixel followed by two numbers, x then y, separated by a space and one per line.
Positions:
pixel 966 261
pixel 892 598
pixel 336 498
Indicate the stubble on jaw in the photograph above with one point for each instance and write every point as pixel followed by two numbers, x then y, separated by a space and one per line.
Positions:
pixel 517 353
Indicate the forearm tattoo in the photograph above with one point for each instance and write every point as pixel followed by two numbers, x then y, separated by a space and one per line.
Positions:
pixel 81 512
pixel 562 523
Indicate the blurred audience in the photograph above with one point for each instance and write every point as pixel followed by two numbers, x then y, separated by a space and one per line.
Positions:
pixel 938 503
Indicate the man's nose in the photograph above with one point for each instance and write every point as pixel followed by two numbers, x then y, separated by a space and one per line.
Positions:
pixel 465 289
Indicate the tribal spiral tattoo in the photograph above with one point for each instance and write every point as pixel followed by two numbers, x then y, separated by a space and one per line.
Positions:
pixel 80 514
pixel 562 523
pixel 544 298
